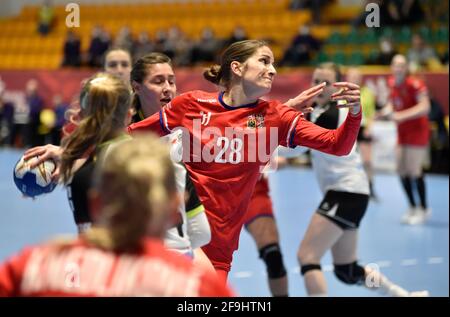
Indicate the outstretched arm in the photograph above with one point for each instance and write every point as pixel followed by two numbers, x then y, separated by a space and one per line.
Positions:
pixel 337 142
pixel 420 109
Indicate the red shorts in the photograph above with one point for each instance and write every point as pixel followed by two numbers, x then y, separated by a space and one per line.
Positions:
pixel 261 203
pixel 224 241
pixel 221 256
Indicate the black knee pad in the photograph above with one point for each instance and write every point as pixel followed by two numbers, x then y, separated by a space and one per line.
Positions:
pixel 309 267
pixel 351 273
pixel 271 255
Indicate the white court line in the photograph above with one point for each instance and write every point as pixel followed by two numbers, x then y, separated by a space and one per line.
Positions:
pixel 327 268
pixel 383 263
pixel 409 262
pixel 243 274
pixel 435 260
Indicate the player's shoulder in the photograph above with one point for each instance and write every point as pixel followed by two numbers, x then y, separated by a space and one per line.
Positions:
pixel 391 81
pixel 415 82
pixel 200 96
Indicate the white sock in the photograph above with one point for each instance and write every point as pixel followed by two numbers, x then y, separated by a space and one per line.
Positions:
pixel 390 289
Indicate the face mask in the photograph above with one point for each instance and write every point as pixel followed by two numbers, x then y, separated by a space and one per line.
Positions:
pixel 385 47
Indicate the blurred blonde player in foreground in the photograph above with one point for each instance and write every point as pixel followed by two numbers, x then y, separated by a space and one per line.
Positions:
pixel 133 200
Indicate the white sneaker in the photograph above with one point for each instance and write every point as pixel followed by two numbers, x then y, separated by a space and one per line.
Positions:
pixel 410 214
pixel 419 294
pixel 420 216
pixel 397 291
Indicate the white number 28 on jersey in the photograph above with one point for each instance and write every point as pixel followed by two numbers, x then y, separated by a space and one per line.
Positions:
pixel 234 156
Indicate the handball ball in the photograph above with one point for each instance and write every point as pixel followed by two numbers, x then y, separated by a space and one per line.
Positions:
pixel 36 181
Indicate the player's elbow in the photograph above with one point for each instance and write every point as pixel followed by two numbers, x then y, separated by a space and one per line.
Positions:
pixel 200 238
pixel 342 150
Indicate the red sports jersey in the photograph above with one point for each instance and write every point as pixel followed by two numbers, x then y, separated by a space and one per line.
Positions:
pixel 260 204
pixel 224 160
pixel 77 269
pixel 415 131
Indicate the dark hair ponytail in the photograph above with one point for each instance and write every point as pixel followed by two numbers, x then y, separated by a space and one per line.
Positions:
pixel 213 74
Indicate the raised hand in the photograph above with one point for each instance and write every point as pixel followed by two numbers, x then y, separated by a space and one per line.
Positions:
pixel 350 94
pixel 304 100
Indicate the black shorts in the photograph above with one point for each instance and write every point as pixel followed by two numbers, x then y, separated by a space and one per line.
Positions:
pixel 343 208
pixel 361 137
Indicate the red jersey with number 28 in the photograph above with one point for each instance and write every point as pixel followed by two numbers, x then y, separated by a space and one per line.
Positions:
pixel 227 147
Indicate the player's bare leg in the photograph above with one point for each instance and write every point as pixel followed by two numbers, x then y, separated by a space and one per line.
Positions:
pixel 320 236
pixel 264 232
pixel 365 149
pixel 202 260
pixel 344 254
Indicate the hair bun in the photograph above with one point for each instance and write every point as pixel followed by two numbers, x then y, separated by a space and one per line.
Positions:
pixel 213 74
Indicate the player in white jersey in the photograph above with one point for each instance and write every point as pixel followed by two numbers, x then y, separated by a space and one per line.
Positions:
pixel 335 224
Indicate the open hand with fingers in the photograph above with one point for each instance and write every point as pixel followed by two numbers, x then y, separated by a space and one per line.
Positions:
pixel 348 96
pixel 43 153
pixel 304 100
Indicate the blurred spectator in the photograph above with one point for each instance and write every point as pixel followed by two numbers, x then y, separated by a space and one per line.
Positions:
pixel 437 117
pixel 385 55
pixel 206 48
pixel 124 39
pixel 47 119
pixel 301 49
pixel 46 18
pixel 35 105
pixel 435 11
pixel 142 46
pixel 444 58
pixel 409 11
pixel 160 40
pixel 239 34
pixel 421 54
pixel 439 147
pixel 177 46
pixel 60 108
pixel 314 5
pixel 6 117
pixel 100 42
pixel 20 134
pixel 72 54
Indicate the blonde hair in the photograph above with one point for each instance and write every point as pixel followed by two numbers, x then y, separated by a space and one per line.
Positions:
pixel 136 184
pixel 104 102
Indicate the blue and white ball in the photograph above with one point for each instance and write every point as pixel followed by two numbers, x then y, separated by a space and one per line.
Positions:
pixel 36 181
